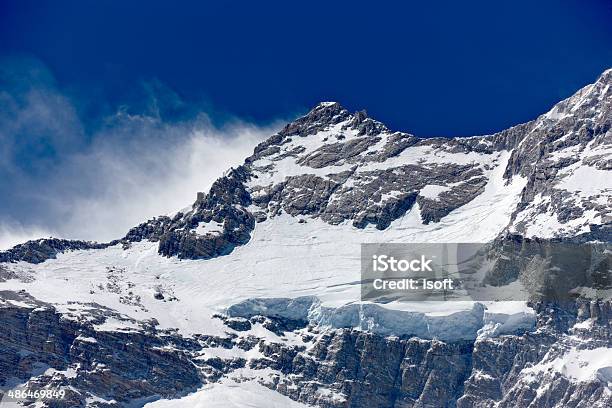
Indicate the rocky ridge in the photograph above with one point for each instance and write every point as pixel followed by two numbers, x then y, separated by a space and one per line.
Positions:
pixel 325 368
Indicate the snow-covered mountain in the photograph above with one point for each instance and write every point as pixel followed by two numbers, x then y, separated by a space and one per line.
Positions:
pixel 255 288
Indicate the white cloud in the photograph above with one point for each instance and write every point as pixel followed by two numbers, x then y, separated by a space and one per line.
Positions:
pixel 58 177
pixel 11 235
pixel 150 180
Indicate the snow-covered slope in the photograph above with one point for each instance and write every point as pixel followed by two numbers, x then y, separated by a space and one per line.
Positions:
pixel 230 394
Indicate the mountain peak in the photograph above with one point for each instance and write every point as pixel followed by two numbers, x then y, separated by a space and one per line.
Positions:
pixel 606 76
pixel 323 109
pixel 327 114
pixel 321 116
pixel 329 106
pixel 325 104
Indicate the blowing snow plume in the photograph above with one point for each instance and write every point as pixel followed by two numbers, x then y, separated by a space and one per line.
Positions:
pixel 66 177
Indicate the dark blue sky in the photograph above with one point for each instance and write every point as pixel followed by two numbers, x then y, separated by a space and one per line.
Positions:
pixel 430 67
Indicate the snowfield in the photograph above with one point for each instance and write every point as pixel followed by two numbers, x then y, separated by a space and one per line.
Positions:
pixel 283 259
pixel 231 394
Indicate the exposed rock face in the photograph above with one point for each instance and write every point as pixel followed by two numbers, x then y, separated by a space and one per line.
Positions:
pixel 348 368
pixel 38 251
pixel 47 350
pixel 521 370
pixel 360 182
pixel 224 205
pixel 356 369
pixel 561 155
pixel 329 368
